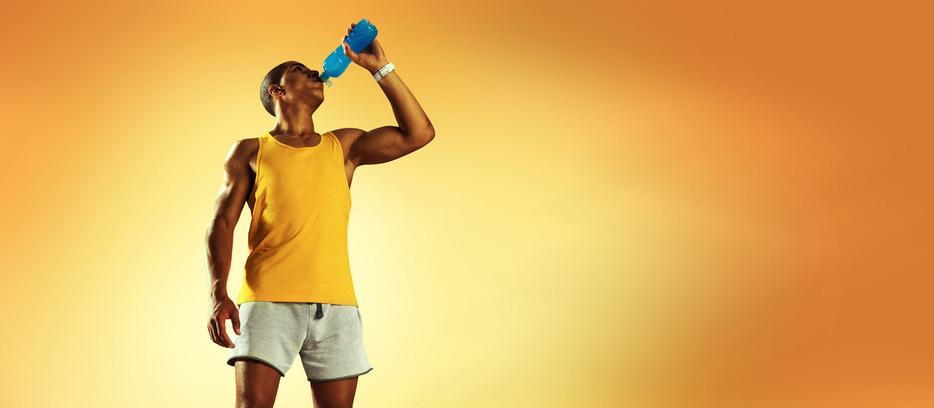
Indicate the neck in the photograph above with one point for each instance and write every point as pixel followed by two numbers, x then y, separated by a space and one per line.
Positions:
pixel 295 120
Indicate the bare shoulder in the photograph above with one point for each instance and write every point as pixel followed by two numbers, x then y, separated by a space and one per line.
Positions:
pixel 243 153
pixel 348 135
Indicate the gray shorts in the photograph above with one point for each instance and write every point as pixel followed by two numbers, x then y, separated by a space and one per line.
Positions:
pixel 327 337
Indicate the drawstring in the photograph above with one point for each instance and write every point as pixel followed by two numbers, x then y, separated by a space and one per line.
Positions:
pixel 318 313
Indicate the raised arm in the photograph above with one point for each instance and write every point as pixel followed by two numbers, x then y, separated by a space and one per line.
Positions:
pixel 386 143
pixel 219 240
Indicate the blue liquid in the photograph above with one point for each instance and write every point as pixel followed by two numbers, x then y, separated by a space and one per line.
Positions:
pixel 360 37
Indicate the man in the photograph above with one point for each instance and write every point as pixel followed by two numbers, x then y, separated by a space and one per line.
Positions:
pixel 297 296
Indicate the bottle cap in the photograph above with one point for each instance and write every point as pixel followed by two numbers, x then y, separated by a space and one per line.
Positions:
pixel 325 78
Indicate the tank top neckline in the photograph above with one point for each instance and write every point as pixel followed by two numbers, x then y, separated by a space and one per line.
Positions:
pixel 280 143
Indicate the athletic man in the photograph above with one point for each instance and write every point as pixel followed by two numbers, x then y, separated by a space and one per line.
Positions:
pixel 297 296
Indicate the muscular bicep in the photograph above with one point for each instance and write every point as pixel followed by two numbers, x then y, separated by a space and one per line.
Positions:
pixel 383 144
pixel 236 186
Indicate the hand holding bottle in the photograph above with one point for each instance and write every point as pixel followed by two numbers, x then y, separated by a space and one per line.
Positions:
pixel 372 58
pixel 358 46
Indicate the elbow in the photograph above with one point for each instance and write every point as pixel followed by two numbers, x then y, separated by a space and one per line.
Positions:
pixel 422 137
pixel 220 225
pixel 428 134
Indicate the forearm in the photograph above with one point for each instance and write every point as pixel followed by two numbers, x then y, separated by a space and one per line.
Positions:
pixel 219 243
pixel 408 112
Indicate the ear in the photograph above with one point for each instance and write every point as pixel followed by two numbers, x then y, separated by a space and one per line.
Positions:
pixel 275 89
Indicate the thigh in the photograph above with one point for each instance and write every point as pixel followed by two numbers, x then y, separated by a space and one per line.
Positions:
pixel 334 393
pixel 257 384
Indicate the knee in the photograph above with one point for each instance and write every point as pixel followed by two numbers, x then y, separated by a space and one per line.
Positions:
pixel 333 402
pixel 254 400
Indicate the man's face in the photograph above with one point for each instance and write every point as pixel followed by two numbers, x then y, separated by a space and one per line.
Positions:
pixel 302 84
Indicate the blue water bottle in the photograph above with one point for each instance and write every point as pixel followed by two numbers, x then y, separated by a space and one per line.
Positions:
pixel 359 38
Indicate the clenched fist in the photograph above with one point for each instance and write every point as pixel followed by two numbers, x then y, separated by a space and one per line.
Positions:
pixel 372 58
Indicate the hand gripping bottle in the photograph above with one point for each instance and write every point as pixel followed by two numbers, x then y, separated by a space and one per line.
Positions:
pixel 359 38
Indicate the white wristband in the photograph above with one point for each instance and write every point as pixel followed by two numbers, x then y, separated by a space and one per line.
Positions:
pixel 383 71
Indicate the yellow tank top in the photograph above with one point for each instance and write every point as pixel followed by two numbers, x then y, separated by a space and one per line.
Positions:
pixel 298 234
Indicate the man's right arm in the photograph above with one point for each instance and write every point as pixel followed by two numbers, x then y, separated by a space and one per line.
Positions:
pixel 219 240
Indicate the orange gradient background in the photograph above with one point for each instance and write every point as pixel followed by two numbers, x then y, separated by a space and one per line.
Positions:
pixel 627 204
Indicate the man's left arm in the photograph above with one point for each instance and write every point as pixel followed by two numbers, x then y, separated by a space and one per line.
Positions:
pixel 387 143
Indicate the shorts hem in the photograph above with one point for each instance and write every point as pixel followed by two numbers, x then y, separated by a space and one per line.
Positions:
pixel 231 360
pixel 342 378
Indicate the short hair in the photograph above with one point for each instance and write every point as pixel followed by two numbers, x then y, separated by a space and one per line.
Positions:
pixel 272 77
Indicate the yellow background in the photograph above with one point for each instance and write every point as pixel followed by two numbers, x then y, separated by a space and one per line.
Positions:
pixel 627 204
